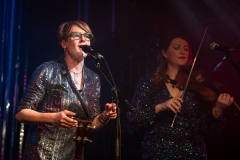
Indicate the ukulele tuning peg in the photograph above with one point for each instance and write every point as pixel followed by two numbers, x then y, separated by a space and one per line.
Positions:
pixel 91 127
pixel 86 140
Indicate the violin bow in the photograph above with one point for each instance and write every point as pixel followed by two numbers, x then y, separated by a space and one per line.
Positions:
pixel 190 73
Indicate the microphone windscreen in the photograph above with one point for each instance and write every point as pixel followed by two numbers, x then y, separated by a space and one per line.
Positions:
pixel 213 45
pixel 87 49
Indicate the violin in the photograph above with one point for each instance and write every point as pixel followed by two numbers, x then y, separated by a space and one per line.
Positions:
pixel 209 90
pixel 198 82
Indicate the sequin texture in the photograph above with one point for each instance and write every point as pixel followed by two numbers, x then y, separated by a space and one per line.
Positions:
pixel 50 91
pixel 184 140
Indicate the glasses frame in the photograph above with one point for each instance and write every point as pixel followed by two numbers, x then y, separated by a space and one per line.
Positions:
pixel 81 35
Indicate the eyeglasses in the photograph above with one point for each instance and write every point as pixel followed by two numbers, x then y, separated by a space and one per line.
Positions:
pixel 78 36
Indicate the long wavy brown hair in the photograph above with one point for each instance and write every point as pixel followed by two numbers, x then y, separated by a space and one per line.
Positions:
pixel 159 75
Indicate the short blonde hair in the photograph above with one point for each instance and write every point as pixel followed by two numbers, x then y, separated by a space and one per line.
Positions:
pixel 65 28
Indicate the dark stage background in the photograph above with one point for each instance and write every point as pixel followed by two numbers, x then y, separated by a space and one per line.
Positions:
pixel 128 34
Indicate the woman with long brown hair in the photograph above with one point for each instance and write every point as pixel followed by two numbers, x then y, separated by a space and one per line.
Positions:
pixel 157 100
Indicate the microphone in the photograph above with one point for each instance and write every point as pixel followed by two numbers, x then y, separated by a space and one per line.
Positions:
pixel 215 46
pixel 90 51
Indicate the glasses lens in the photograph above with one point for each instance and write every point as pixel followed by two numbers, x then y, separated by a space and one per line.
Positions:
pixel 75 35
pixel 78 35
pixel 88 36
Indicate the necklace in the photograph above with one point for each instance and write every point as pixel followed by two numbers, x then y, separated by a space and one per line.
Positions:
pixel 75 77
pixel 173 82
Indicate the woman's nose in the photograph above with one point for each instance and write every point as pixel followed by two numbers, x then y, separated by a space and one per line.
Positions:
pixel 183 52
pixel 82 39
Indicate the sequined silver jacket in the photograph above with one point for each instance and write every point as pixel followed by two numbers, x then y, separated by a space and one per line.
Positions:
pixel 51 89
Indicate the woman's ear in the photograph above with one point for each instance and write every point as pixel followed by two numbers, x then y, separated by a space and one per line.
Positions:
pixel 63 44
pixel 164 53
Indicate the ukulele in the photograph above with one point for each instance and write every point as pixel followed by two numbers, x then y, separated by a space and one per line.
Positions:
pixel 83 129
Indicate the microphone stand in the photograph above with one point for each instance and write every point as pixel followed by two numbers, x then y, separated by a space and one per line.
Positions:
pixel 117 92
pixel 231 63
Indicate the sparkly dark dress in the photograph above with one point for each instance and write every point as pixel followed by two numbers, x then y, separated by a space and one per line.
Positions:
pixel 183 141
pixel 51 89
